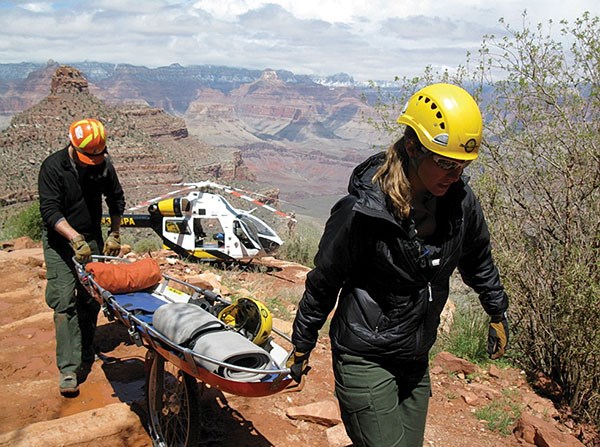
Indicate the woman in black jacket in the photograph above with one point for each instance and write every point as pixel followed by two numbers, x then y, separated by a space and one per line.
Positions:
pixel 386 257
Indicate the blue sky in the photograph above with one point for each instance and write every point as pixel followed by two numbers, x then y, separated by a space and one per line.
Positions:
pixel 368 39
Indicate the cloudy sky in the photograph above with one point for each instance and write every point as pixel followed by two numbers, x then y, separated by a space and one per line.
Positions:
pixel 368 39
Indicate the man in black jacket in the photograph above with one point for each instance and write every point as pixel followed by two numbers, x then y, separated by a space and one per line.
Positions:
pixel 71 184
pixel 386 257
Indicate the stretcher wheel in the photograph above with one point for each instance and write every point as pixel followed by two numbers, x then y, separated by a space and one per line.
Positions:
pixel 173 405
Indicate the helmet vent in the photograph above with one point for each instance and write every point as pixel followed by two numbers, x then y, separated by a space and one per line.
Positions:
pixel 441 139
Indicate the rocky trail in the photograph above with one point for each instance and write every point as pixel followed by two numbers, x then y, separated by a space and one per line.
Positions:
pixel 110 409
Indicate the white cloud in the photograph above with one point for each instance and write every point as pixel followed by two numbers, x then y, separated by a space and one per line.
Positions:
pixel 36 7
pixel 368 39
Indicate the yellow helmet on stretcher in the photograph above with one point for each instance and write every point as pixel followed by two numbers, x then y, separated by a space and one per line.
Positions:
pixel 250 317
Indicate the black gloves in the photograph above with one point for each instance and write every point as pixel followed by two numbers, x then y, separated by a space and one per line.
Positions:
pixel 112 245
pixel 298 365
pixel 497 336
pixel 83 252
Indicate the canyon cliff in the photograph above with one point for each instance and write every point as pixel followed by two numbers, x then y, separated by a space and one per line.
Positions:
pixel 284 131
pixel 150 148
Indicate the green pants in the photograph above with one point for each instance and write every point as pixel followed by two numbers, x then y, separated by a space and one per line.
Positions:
pixel 382 405
pixel 75 311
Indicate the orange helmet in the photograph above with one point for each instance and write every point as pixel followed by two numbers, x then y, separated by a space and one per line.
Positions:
pixel 89 140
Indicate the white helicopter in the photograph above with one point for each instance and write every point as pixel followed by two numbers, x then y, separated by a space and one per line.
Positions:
pixel 205 225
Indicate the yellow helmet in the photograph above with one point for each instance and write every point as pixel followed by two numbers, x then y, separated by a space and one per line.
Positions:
pixel 250 317
pixel 446 119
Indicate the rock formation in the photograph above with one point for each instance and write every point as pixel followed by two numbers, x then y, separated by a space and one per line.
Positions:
pixel 150 148
pixel 301 136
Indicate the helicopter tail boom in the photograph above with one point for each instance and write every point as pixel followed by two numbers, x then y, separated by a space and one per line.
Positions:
pixel 132 220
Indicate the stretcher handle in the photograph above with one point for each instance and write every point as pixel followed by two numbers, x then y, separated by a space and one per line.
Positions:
pixel 211 296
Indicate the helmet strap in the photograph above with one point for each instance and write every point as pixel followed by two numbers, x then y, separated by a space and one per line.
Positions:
pixel 74 153
pixel 416 153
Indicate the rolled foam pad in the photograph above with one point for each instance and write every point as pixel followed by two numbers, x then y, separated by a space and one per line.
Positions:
pixel 235 349
pixel 182 322
pixel 191 326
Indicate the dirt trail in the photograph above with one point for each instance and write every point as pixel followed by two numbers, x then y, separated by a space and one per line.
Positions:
pixel 29 380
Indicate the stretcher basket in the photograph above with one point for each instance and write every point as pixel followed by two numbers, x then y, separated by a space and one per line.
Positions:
pixel 173 368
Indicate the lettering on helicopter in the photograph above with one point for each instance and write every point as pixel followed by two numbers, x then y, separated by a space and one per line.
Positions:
pixel 128 221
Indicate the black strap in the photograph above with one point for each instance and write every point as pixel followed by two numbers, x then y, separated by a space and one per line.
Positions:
pixel 210 326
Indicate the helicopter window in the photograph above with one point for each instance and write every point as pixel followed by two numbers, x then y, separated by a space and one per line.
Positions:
pixel 241 234
pixel 259 231
pixel 208 232
pixel 177 227
pixel 256 224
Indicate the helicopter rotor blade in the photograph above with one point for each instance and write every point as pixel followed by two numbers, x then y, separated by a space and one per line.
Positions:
pixel 240 194
pixel 261 195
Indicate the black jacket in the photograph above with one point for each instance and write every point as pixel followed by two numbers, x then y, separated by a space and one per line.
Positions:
pixel 76 195
pixel 392 285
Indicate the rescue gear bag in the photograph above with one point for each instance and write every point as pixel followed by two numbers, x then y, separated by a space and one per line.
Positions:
pixel 126 277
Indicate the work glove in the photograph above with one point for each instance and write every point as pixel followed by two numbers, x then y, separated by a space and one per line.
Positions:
pixel 112 245
pixel 298 365
pixel 497 336
pixel 83 252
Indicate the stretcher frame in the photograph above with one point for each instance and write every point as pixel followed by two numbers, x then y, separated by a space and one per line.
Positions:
pixel 166 428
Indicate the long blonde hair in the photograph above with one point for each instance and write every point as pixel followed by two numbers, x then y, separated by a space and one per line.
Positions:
pixel 392 178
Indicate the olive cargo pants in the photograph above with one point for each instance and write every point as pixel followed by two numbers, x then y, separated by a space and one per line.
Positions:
pixel 382 405
pixel 75 311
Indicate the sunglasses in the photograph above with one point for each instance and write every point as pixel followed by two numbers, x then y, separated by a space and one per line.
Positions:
pixel 449 165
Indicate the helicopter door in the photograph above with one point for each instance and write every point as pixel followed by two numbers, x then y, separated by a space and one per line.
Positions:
pixel 208 233
pixel 177 230
pixel 199 234
pixel 246 234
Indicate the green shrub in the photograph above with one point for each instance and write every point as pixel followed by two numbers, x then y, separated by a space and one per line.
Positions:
pixel 501 415
pixel 152 243
pixel 467 337
pixel 537 180
pixel 141 240
pixel 301 246
pixel 26 222
pixel 541 194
